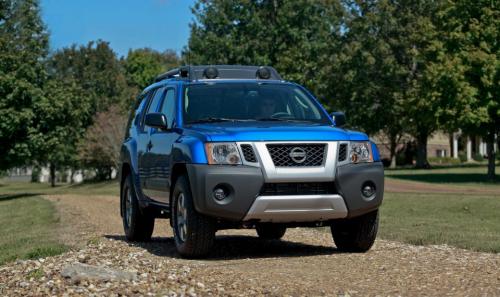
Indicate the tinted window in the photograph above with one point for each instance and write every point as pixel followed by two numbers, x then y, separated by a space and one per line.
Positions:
pixel 154 102
pixel 250 101
pixel 168 107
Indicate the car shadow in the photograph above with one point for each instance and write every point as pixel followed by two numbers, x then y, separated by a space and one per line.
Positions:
pixel 234 247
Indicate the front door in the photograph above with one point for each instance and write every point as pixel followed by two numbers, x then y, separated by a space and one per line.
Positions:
pixel 146 162
pixel 161 148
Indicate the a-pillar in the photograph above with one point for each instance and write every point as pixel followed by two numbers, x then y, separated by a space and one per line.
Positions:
pixel 469 149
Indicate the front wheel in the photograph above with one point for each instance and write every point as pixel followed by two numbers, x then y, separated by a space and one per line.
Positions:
pixel 356 234
pixel 138 226
pixel 194 233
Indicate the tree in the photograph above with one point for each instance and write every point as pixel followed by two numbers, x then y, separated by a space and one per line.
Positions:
pixel 295 37
pixel 472 37
pixel 143 65
pixel 23 45
pixel 58 124
pixel 100 148
pixel 395 74
pixel 371 75
pixel 97 71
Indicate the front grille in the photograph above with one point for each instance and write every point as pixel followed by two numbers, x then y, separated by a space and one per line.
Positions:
pixel 248 153
pixel 277 189
pixel 343 152
pixel 281 154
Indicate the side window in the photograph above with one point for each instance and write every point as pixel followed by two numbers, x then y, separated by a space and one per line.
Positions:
pixel 140 107
pixel 153 104
pixel 168 107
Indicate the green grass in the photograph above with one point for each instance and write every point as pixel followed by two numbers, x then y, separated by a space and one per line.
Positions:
pixel 468 176
pixel 465 221
pixel 28 228
pixel 29 223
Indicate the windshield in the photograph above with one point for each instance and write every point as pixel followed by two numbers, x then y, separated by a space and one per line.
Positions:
pixel 249 102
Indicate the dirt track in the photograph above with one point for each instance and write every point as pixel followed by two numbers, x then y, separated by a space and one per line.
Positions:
pixel 304 263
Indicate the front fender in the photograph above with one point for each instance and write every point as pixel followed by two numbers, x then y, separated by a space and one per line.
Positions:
pixel 188 149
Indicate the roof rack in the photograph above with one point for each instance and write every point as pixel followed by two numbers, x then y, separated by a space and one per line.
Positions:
pixel 176 72
pixel 201 72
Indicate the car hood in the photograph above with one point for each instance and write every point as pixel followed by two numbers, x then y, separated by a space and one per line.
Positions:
pixel 274 131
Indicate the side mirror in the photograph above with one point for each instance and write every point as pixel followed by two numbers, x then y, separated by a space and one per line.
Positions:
pixel 156 120
pixel 338 118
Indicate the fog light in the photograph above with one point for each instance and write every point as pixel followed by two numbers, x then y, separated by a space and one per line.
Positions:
pixel 219 194
pixel 368 189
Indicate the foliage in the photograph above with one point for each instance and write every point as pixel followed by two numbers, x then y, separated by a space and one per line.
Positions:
pixel 58 124
pixel 478 158
pixel 100 148
pixel 472 33
pixel 296 37
pixel 444 161
pixel 96 70
pixel 23 45
pixel 143 65
pixel 462 157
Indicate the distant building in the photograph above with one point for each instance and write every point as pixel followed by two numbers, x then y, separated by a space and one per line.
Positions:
pixel 24 174
pixel 440 145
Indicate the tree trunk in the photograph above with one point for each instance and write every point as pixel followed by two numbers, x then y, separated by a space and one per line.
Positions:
pixel 392 149
pixel 52 175
pixel 71 176
pixel 422 151
pixel 490 149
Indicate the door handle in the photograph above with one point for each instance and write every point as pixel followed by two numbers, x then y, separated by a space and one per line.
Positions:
pixel 150 146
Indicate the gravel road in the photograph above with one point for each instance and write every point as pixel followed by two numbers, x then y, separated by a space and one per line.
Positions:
pixel 304 263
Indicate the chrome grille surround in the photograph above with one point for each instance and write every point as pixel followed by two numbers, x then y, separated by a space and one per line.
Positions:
pixel 322 173
pixel 297 155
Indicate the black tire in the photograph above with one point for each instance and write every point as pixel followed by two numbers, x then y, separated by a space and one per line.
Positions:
pixel 357 234
pixel 138 226
pixel 194 233
pixel 270 231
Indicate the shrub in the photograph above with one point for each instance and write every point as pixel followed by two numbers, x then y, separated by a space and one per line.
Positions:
pixel 478 158
pixel 444 161
pixel 462 157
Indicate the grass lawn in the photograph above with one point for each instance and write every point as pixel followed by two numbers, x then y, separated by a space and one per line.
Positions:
pixel 29 223
pixel 466 175
pixel 465 221
pixel 28 228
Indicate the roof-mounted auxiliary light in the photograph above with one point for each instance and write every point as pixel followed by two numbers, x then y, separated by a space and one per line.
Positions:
pixel 263 73
pixel 211 72
pixel 184 72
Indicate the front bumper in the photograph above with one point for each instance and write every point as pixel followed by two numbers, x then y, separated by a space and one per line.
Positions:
pixel 245 201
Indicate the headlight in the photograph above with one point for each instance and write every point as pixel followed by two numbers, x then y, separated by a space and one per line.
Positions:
pixel 360 152
pixel 223 153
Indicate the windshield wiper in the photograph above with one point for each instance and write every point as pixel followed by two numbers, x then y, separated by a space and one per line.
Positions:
pixel 214 120
pixel 280 120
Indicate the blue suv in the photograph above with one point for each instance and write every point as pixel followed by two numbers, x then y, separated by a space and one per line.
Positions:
pixel 222 147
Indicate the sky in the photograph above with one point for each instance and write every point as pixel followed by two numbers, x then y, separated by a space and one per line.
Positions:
pixel 125 24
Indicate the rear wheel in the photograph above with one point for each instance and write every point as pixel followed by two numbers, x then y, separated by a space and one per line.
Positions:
pixel 194 233
pixel 270 231
pixel 356 234
pixel 138 226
